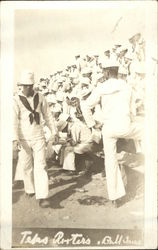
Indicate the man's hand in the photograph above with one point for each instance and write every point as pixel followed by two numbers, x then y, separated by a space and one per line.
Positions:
pixel 97 126
pixel 54 138
pixel 73 143
pixel 16 145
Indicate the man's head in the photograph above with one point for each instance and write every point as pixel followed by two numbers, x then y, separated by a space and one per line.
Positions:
pixel 85 82
pixel 88 58
pixel 77 57
pixel 27 82
pixel 86 72
pixel 135 38
pixel 74 101
pixel 96 59
pixel 107 53
pixel 74 66
pixel 122 53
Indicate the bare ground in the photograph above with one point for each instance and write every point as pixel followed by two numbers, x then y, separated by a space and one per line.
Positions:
pixel 82 201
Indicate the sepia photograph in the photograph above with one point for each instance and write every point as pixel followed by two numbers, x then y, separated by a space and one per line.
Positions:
pixel 80 123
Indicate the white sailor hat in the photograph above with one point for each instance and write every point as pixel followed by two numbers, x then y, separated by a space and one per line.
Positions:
pixel 59 96
pixel 110 64
pixel 60 80
pixel 85 92
pixel 64 74
pixel 72 95
pixel 55 86
pixel 86 70
pixel 66 85
pixel 129 55
pixel 51 98
pixel 99 75
pixel 117 45
pixel 44 91
pixel 43 83
pixel 84 80
pixel 27 78
pixel 73 75
pixel 107 50
pixel 75 80
pixel 122 49
pixel 122 70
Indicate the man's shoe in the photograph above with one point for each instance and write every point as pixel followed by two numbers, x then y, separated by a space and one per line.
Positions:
pixel 44 203
pixel 85 173
pixel 115 203
pixel 30 195
pixel 73 173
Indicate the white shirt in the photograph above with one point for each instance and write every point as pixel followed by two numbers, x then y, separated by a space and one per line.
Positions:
pixel 80 132
pixel 115 97
pixel 22 128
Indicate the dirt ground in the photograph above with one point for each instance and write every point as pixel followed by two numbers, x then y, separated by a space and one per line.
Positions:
pixel 82 201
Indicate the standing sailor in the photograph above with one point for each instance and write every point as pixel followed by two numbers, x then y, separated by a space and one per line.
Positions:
pixel 115 97
pixel 30 109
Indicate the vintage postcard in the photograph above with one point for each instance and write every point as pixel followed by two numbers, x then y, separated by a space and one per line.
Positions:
pixel 78 125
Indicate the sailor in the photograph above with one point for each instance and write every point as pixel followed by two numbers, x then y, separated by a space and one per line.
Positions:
pixel 30 109
pixel 115 97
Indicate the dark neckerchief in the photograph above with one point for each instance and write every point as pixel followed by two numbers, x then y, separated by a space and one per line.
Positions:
pixel 33 114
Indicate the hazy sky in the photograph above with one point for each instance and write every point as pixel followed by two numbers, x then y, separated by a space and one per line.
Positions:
pixel 48 40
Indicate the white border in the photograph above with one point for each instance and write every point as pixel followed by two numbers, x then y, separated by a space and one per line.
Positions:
pixel 7 46
pixel 7 73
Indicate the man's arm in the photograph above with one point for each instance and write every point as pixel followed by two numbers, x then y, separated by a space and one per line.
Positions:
pixel 46 112
pixel 16 143
pixel 86 107
pixel 75 134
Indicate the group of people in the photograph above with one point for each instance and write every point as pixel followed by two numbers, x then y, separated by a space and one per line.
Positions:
pixel 72 113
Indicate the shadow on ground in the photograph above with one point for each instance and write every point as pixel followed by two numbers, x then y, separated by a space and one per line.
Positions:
pixel 77 183
pixel 16 195
pixel 134 188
